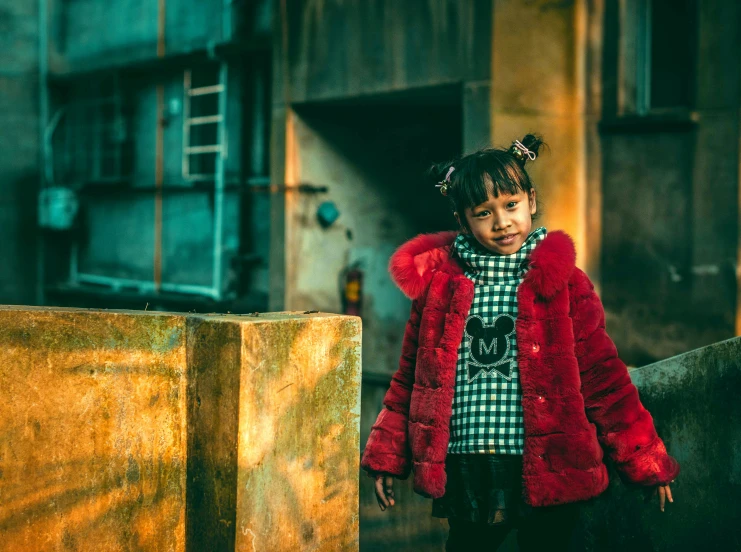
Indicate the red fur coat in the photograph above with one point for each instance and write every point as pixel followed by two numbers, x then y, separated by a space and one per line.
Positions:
pixel 577 396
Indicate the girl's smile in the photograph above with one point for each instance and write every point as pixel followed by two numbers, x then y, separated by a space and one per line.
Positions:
pixel 501 224
pixel 506 240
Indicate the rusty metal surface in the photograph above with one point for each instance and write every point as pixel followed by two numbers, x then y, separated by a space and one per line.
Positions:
pixel 131 431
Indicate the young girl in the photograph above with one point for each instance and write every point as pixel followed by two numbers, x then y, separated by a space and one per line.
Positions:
pixel 508 386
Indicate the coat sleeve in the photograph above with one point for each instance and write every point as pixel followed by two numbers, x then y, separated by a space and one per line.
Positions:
pixel 625 428
pixel 387 450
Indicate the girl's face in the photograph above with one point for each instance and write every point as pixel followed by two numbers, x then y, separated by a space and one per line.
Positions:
pixel 501 224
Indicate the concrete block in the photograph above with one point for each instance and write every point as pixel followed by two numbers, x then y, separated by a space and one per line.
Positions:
pixel 155 431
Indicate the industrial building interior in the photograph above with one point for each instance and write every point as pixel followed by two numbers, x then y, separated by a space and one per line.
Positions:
pixel 163 155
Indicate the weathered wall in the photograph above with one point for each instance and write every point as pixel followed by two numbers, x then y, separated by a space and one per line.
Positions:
pixel 19 144
pixel 298 434
pixel 132 430
pixel 326 53
pixel 538 85
pixel 131 30
pixel 670 216
pixel 337 49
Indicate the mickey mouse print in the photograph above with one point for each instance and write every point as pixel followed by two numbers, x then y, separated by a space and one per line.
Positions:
pixel 489 347
pixel 486 412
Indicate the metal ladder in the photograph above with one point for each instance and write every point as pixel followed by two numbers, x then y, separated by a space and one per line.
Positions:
pixel 219 148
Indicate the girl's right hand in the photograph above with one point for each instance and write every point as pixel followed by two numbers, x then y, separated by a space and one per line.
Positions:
pixel 384 491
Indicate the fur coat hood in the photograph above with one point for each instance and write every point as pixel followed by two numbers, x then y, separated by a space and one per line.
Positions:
pixel 577 397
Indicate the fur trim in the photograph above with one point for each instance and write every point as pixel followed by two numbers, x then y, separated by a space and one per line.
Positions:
pixel 414 263
pixel 551 264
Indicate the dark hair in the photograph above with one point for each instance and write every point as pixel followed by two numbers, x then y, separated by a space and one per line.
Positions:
pixel 489 170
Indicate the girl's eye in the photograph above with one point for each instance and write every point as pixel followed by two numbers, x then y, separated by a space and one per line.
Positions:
pixel 513 203
pixel 482 213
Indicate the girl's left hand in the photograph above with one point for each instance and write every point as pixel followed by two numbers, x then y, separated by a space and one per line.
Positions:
pixel 664 492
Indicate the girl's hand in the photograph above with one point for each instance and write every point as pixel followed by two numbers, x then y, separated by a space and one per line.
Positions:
pixel 384 491
pixel 663 491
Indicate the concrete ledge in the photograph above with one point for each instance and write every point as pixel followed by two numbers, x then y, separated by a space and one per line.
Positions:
pixel 694 400
pixel 154 431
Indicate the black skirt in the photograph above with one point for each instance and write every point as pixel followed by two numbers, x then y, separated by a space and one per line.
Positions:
pixel 482 487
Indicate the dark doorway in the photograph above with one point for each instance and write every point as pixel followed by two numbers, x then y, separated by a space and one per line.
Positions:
pixel 393 138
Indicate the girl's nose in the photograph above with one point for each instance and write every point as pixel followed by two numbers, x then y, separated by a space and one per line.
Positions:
pixel 501 224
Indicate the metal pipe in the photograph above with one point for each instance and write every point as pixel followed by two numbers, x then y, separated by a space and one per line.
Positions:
pixel 159 152
pixel 74 263
pixel 158 182
pixel 144 286
pixel 258 123
pixel 43 117
pixel 161 23
pixel 643 58
pixel 738 195
pixel 226 21
pixel 48 135
pixel 219 182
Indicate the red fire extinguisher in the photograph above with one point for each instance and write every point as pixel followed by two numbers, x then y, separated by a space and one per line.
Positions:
pixel 353 290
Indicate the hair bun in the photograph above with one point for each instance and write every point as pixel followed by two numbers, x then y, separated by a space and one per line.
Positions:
pixel 440 174
pixel 531 143
pixel 437 172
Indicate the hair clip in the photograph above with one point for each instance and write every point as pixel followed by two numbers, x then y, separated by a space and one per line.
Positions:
pixel 443 185
pixel 519 151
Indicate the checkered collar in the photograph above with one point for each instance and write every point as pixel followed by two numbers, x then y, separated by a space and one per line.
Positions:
pixel 486 268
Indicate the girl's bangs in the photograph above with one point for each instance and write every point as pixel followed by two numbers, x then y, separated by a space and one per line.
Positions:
pixel 495 181
pixel 506 178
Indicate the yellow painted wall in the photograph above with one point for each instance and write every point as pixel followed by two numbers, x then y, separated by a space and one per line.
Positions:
pixel 539 85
